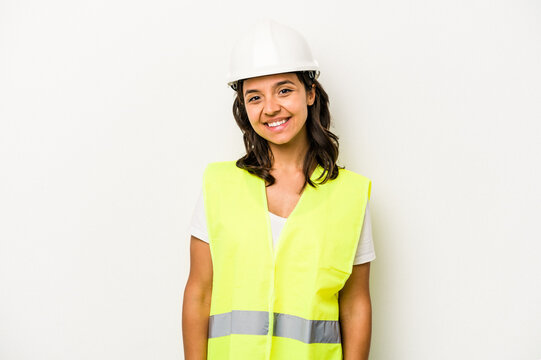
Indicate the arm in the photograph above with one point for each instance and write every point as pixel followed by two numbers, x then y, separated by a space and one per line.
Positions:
pixel 196 303
pixel 356 314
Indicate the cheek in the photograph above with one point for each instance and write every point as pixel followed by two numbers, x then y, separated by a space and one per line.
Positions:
pixel 252 115
pixel 297 107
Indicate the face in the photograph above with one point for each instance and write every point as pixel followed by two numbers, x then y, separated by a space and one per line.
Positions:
pixel 277 107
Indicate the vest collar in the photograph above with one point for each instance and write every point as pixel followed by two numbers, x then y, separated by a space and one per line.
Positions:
pixel 315 174
pixel 306 192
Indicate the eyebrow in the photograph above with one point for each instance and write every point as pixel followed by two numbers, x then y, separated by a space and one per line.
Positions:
pixel 275 85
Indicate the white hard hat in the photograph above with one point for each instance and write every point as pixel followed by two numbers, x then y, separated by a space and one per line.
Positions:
pixel 270 48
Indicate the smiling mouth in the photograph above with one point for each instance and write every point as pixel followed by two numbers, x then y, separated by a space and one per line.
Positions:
pixel 277 123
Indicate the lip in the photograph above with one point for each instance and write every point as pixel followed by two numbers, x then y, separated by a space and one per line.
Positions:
pixel 279 127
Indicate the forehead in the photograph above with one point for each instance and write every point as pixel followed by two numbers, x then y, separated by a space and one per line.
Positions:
pixel 269 80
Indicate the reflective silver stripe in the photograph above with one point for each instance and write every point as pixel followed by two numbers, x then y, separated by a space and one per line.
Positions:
pixel 308 331
pixel 239 322
pixel 285 325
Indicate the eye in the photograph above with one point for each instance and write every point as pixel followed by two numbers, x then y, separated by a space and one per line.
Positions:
pixel 253 98
pixel 285 91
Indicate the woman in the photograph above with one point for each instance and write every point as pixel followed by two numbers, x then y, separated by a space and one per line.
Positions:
pixel 283 268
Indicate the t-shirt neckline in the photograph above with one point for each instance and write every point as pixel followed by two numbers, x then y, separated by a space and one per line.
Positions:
pixel 276 216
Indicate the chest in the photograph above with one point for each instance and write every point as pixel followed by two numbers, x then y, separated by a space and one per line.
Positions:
pixel 284 195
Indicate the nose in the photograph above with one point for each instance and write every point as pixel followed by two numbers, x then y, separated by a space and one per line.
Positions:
pixel 272 106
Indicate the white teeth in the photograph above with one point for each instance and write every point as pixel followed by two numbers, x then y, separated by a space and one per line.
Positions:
pixel 277 123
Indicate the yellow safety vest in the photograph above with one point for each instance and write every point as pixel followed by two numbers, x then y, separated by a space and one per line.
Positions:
pixel 279 303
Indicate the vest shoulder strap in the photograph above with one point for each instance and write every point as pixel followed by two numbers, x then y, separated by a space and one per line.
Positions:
pixel 219 171
pixel 362 181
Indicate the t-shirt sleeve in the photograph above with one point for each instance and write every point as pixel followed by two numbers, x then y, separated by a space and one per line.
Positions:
pixel 198 225
pixel 365 247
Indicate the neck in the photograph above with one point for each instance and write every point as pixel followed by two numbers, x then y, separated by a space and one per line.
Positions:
pixel 290 157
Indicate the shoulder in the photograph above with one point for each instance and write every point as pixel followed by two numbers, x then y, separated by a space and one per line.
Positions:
pixel 220 165
pixel 360 182
pixel 353 176
pixel 221 169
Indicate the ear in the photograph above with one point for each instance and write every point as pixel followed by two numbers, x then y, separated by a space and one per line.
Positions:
pixel 311 95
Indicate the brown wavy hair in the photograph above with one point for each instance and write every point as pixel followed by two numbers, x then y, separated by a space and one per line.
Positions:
pixel 323 144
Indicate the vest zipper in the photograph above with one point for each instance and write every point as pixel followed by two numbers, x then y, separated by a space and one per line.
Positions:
pixel 274 251
pixel 271 292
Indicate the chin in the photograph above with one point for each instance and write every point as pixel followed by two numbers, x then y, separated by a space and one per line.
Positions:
pixel 279 142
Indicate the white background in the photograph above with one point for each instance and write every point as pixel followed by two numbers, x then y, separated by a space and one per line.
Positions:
pixel 110 111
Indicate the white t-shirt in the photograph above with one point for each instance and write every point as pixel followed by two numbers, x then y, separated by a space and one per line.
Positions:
pixel 365 247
